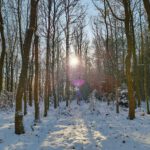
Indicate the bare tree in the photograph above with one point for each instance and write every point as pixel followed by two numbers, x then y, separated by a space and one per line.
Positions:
pixel 36 81
pixel 19 128
pixel 3 46
pixel 70 18
pixel 147 8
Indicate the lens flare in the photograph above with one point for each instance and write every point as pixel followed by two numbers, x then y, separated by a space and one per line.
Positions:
pixel 74 61
pixel 78 82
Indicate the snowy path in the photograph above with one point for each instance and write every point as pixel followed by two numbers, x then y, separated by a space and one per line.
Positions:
pixel 73 132
pixel 80 129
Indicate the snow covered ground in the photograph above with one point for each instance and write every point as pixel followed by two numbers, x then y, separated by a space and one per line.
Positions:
pixel 78 128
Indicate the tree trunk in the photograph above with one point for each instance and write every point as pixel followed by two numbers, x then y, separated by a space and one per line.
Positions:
pixel 53 54
pixel 147 8
pixel 141 57
pixel 25 100
pixel 146 64
pixel 135 67
pixel 20 26
pixel 7 72
pixel 30 78
pixel 3 48
pixel 47 74
pixel 36 81
pixel 11 74
pixel 67 92
pixel 67 71
pixel 19 128
pixel 128 31
pixel 57 73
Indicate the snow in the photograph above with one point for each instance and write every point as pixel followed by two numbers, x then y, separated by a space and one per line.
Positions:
pixel 124 91
pixel 77 127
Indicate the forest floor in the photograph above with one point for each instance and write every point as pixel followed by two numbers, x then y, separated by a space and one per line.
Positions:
pixel 79 128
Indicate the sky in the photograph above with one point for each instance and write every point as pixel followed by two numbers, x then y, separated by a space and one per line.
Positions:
pixel 91 12
pixel 91 9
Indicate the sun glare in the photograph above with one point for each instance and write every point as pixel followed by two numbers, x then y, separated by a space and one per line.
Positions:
pixel 74 61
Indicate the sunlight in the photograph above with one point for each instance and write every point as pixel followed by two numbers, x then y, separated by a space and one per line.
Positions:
pixel 74 61
pixel 141 137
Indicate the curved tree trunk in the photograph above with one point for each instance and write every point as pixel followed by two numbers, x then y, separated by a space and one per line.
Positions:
pixel 19 128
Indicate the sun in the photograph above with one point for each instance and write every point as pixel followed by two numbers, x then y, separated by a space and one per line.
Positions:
pixel 74 61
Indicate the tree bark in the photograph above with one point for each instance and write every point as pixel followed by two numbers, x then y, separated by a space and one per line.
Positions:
pixel 146 64
pixel 67 93
pixel 36 81
pixel 53 54
pixel 19 128
pixel 147 8
pixel 3 48
pixel 128 31
pixel 47 74
pixel 135 67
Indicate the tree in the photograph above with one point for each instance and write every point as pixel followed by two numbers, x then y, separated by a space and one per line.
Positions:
pixel 57 12
pixel 128 21
pixel 70 10
pixel 130 44
pixel 3 46
pixel 19 128
pixel 147 8
pixel 36 81
pixel 48 56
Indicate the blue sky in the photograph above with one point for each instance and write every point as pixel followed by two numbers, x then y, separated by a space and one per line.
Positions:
pixel 91 8
pixel 91 11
